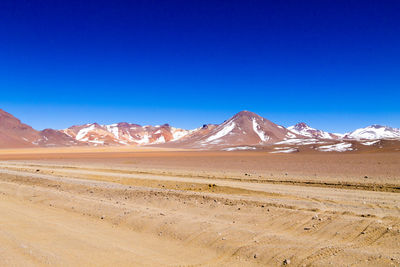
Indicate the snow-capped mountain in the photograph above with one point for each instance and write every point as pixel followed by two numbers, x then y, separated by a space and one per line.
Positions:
pixel 245 128
pixel 244 131
pixel 305 130
pixel 374 132
pixel 124 134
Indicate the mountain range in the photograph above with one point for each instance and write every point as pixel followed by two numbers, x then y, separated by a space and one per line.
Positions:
pixel 245 130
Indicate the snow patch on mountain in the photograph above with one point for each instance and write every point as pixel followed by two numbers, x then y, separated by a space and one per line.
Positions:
pixel 224 131
pixel 370 143
pixel 259 132
pixel 239 148
pixel 340 147
pixel 374 132
pixel 298 141
pixel 143 140
pixel 290 135
pixel 289 150
pixel 178 133
pixel 113 128
pixel 81 136
pixel 160 140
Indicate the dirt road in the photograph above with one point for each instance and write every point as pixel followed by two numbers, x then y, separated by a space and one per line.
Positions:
pixel 68 214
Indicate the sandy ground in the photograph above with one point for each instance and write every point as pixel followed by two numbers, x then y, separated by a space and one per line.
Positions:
pixel 186 208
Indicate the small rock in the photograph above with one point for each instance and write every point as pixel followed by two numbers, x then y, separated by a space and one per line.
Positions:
pixel 162 214
pixel 363 233
pixel 286 262
pixel 365 177
pixel 102 217
pixel 223 238
pixel 307 228
pixel 315 217
pixel 255 256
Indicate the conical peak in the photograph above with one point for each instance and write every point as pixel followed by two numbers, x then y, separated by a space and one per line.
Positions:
pixel 301 125
pixel 246 114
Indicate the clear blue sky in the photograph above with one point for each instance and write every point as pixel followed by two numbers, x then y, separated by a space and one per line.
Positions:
pixel 333 64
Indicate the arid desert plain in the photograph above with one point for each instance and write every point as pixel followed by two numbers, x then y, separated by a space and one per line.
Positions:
pixel 169 207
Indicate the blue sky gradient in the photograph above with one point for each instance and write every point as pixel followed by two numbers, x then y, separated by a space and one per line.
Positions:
pixel 333 64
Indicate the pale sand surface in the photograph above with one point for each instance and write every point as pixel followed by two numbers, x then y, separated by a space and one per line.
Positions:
pixel 114 207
